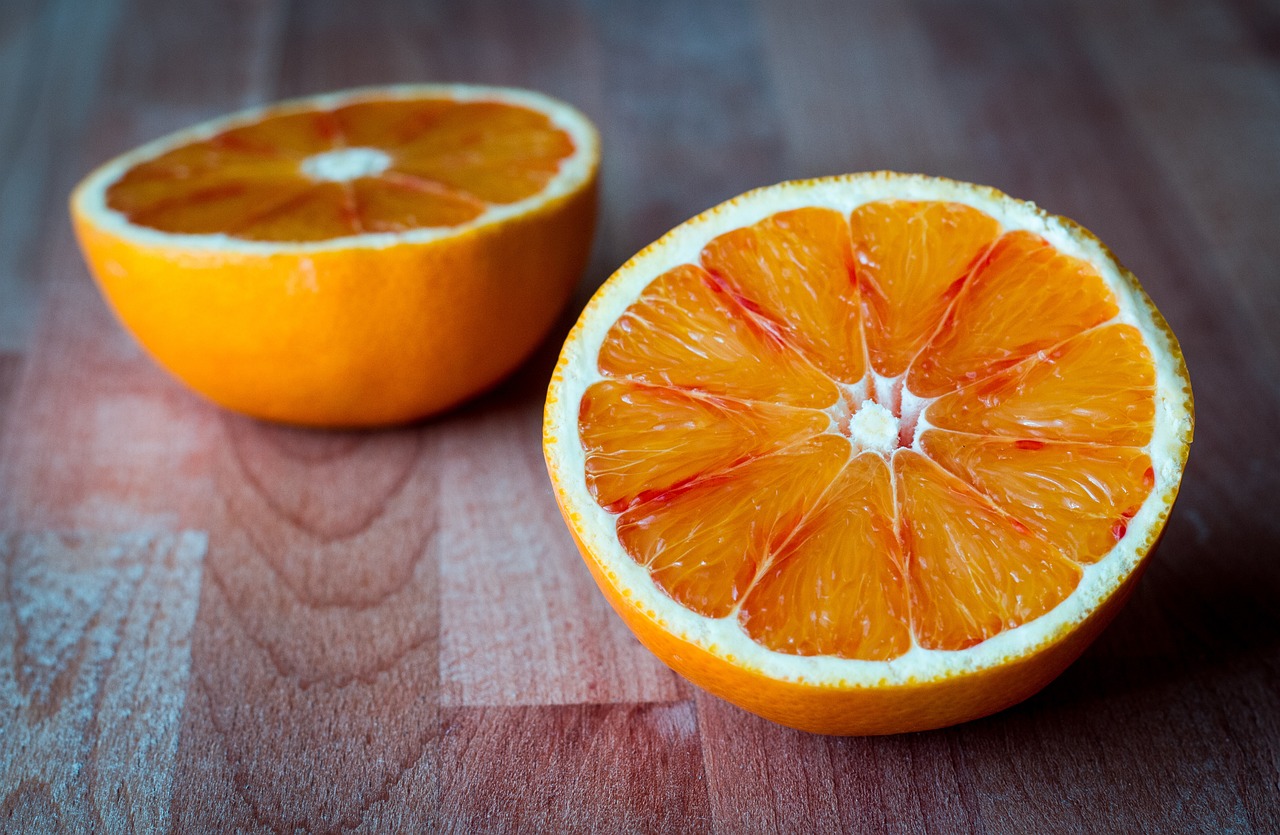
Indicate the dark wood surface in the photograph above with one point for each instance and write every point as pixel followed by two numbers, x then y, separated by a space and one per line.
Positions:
pixel 207 623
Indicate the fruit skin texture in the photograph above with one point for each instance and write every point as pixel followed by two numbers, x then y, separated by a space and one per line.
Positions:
pixel 865 707
pixel 355 336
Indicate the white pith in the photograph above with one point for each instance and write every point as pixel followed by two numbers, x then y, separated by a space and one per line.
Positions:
pixel 343 165
pixel 90 196
pixel 577 370
pixel 874 428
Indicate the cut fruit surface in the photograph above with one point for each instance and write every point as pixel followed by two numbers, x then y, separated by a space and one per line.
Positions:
pixel 869 454
pixel 1023 298
pixel 975 569
pixel 843 566
pixel 912 259
pixel 1097 387
pixel 333 172
pixel 350 259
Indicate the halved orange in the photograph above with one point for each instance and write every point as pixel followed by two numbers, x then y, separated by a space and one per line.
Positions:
pixel 356 258
pixel 869 454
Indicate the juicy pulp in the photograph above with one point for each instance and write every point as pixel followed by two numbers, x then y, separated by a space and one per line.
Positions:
pixel 724 435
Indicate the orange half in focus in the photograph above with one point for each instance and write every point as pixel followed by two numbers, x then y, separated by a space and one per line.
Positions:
pixel 350 259
pixel 869 454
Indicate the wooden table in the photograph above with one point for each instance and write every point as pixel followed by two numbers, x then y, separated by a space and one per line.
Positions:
pixel 211 623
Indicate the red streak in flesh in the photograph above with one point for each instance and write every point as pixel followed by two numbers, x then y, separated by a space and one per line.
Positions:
pixel 667 494
pixel 327 128
pixel 907 429
pixel 757 317
pixel 239 144
pixel 212 194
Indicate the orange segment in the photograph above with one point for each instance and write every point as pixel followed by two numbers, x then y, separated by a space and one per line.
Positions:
pixel 421 163
pixel 911 258
pixel 390 124
pixel 496 153
pixel 211 205
pixel 150 190
pixel 200 165
pixel 491 130
pixel 1096 388
pixel 480 178
pixel 1025 297
pixel 687 330
pixel 396 204
pixel 1077 495
pixel 318 213
pixel 705 543
pixel 641 441
pixel 839 589
pixel 793 271
pixel 293 135
pixel 973 571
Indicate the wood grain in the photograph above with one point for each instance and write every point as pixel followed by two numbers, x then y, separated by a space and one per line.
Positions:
pixel 1222 192
pixel 314 664
pixel 689 119
pixel 94 661
pixel 133 456
pixel 881 105
pixel 581 768
pixel 497 646
pixel 209 623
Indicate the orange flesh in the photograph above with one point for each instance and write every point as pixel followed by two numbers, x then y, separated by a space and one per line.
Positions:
pixel 445 163
pixel 728 436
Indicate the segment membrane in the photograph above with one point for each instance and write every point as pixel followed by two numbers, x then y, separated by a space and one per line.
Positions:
pixel 973 571
pixel 911 258
pixel 500 133
pixel 150 190
pixel 1079 496
pixel 1025 297
pixel 793 271
pixel 839 587
pixel 705 543
pixel 642 441
pixel 294 136
pixel 1096 388
pixel 396 204
pixel 390 124
pixel 687 331
pixel 480 179
pixel 318 213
